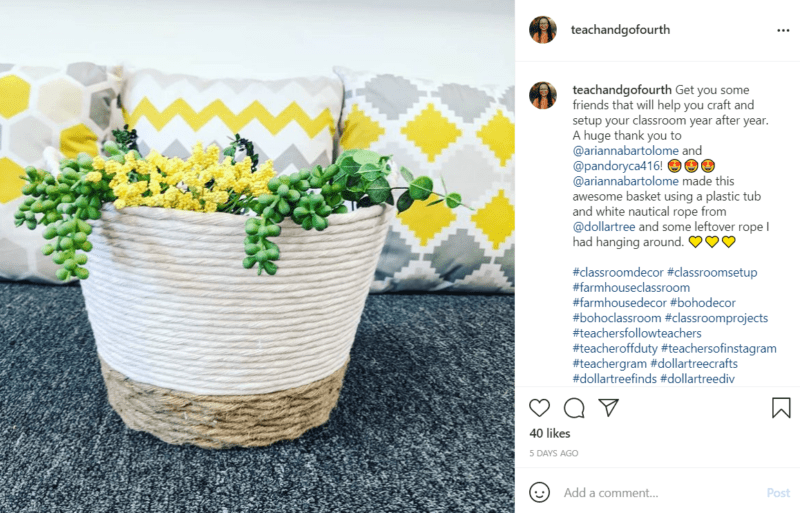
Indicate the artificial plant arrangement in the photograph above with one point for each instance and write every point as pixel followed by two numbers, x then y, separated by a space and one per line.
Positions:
pixel 65 203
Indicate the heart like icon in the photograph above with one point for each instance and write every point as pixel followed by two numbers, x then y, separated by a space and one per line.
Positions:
pixel 695 241
pixel 539 406
pixel 728 241
pixel 712 241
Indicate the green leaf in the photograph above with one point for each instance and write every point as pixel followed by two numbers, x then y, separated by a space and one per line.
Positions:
pixel 354 183
pixel 407 176
pixel 345 154
pixel 370 172
pixel 341 179
pixel 351 195
pixel 390 199
pixel 379 190
pixel 453 200
pixel 366 157
pixel 404 202
pixel 364 202
pixel 349 166
pixel 369 167
pixel 434 203
pixel 421 188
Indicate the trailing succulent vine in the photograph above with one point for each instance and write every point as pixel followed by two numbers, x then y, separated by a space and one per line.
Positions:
pixel 67 202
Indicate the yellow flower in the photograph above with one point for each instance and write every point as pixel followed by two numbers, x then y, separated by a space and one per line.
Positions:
pixel 94 176
pixel 154 187
pixel 261 178
pixel 181 184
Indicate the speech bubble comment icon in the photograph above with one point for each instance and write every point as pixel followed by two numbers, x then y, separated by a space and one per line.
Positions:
pixel 574 408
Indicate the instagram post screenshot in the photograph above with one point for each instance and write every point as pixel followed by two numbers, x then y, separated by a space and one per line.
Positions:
pixel 259 256
pixel 656 353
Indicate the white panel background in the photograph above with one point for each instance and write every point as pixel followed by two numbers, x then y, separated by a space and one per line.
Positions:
pixel 464 41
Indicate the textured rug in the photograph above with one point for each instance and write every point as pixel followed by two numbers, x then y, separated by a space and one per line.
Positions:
pixel 424 422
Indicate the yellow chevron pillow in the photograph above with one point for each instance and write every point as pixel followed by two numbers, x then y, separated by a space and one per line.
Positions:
pixel 291 122
pixel 462 133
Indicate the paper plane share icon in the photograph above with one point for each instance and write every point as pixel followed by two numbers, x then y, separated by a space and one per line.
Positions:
pixel 609 404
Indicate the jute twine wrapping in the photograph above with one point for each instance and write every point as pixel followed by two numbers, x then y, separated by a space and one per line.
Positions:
pixel 174 312
pixel 222 421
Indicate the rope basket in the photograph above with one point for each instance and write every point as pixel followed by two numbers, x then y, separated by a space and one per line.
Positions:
pixel 196 349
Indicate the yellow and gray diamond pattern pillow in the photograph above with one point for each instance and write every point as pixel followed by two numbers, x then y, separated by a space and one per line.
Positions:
pixel 67 108
pixel 291 122
pixel 464 134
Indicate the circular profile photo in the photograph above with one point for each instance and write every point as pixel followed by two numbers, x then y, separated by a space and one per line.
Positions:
pixel 543 30
pixel 543 95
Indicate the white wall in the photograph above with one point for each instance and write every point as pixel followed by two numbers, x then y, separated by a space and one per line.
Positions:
pixel 466 41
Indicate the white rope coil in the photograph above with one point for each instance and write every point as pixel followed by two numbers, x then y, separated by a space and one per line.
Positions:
pixel 171 305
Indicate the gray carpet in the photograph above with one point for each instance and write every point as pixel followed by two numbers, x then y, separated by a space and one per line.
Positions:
pixel 424 423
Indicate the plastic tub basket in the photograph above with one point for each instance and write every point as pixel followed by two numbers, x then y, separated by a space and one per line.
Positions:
pixel 196 349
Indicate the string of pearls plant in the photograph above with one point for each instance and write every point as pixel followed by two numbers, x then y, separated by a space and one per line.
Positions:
pixel 67 202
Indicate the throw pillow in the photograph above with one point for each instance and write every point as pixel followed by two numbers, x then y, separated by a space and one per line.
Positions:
pixel 463 134
pixel 68 108
pixel 291 122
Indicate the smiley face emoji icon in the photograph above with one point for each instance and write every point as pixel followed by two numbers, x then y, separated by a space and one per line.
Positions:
pixel 707 165
pixel 674 165
pixel 690 165
pixel 539 492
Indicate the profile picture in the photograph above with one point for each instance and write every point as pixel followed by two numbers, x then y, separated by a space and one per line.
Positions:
pixel 543 30
pixel 543 95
